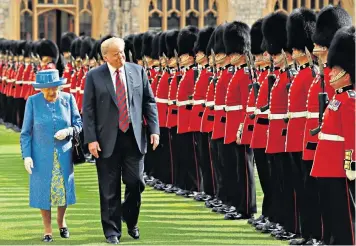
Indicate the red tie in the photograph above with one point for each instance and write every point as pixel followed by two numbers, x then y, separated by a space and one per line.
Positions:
pixel 121 102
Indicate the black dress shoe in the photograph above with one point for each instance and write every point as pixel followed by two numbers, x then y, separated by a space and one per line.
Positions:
pixel 236 216
pixel 113 240
pixel 134 232
pixel 47 238
pixel 314 241
pixel 64 232
pixel 286 236
pixel 252 220
pixel 297 241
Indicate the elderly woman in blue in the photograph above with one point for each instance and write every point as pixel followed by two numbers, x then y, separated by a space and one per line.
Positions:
pixel 51 118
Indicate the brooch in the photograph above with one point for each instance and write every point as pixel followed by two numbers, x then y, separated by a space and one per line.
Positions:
pixel 64 102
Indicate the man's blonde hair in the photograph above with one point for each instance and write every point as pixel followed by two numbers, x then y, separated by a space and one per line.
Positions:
pixel 109 42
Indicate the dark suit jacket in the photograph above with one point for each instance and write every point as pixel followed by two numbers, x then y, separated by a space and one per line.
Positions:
pixel 100 110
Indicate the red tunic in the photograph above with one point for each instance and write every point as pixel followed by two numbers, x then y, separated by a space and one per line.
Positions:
pixel 184 91
pixel 207 122
pixel 259 134
pixel 276 136
pixel 312 121
pixel 172 108
pixel 80 93
pixel 297 109
pixel 336 137
pixel 67 74
pixel 26 80
pixel 19 80
pixel 199 96
pixel 2 68
pixel 162 99
pixel 235 101
pixel 219 104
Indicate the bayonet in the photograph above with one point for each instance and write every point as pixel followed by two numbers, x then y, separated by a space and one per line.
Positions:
pixel 130 56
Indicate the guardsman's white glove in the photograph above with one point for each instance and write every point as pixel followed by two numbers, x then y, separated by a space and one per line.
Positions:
pixel 349 165
pixel 62 134
pixel 28 163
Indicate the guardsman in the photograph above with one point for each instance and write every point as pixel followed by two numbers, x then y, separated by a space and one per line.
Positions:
pixel 19 102
pixel 259 134
pixel 10 82
pixel 171 44
pixel 237 152
pixel 187 154
pixel 78 74
pixel 336 171
pixel 66 41
pixel 3 58
pixel 201 138
pixel 329 20
pixel 35 66
pixel 275 34
pixel 137 45
pixel 226 73
pixel 26 76
pixel 129 48
pixel 300 28
pixel 156 70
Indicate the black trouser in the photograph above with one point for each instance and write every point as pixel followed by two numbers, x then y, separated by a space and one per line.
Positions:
pixel 338 210
pixel 246 181
pixel 127 161
pixel 21 110
pixel 9 110
pixel 311 225
pixel 188 176
pixel 216 159
pixel 205 162
pixel 263 165
pixel 150 159
pixel 173 146
pixel 2 105
pixel 162 166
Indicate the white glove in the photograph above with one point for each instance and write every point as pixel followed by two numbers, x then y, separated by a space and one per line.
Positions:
pixel 28 163
pixel 62 134
pixel 351 175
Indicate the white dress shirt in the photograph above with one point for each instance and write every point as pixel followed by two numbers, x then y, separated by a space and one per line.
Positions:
pixel 123 80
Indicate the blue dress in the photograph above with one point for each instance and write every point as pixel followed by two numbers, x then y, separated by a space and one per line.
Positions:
pixel 41 121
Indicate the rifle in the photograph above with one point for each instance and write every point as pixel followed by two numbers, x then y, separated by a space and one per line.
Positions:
pixel 271 79
pixel 166 61
pixel 286 65
pixel 311 63
pixel 253 78
pixel 215 72
pixel 323 99
pixel 179 75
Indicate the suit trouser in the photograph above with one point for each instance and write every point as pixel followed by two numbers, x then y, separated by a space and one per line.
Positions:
pixel 173 147
pixel 311 225
pixel 126 161
pixel 246 181
pixel 189 176
pixel 216 145
pixel 263 165
pixel 204 162
pixel 338 210
pixel 162 165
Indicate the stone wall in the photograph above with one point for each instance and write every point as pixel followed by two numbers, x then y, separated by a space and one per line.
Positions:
pixel 4 16
pixel 247 11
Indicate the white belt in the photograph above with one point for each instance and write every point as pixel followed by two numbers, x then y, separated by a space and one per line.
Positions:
pixel 219 107
pixel 73 90
pixel 209 103
pixel 258 112
pixel 183 103
pixel 4 78
pixel 27 82
pixel 250 109
pixel 311 115
pixel 81 92
pixel 78 88
pixel 19 82
pixel 233 108
pixel 277 116
pixel 66 86
pixel 330 137
pixel 10 81
pixel 161 100
pixel 171 102
pixel 292 115
pixel 198 102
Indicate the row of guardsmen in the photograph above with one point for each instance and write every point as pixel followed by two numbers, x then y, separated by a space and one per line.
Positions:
pixel 232 96
pixel 279 95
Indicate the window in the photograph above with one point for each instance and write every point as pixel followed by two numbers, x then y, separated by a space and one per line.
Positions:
pixel 176 14
pixel 289 5
pixel 26 20
pixel 85 17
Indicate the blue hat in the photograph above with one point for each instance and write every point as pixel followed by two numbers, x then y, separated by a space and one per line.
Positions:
pixel 48 78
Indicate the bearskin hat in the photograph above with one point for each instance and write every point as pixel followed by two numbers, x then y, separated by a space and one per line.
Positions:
pixel 203 39
pixel 172 42
pixel 137 44
pixel 211 44
pixel 342 51
pixel 219 46
pixel 129 47
pixel 256 37
pixel 47 47
pixel 155 46
pixel 300 28
pixel 66 40
pixel 27 49
pixel 86 47
pixel 147 43
pixel 186 40
pixel 274 31
pixel 76 46
pixel 329 20
pixel 237 38
pixel 162 44
pixel 21 47
pixel 94 50
pixel 101 41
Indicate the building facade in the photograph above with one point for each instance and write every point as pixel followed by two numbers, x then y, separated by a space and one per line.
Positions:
pixel 34 19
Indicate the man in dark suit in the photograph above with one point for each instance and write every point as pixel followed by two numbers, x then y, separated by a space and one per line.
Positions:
pixel 117 98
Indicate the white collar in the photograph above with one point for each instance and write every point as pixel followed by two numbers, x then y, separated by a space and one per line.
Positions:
pixel 113 70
